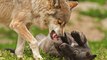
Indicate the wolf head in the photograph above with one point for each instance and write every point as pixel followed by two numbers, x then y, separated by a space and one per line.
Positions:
pixel 59 15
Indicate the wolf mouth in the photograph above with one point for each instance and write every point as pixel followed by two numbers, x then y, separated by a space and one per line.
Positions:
pixel 54 35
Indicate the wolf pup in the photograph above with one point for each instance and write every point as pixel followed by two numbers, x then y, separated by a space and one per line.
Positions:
pixel 70 46
pixel 74 47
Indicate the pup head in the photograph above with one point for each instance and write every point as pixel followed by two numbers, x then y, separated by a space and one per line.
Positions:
pixel 74 53
pixel 82 51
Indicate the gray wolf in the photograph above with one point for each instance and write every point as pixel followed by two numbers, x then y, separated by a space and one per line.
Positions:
pixel 19 15
pixel 71 46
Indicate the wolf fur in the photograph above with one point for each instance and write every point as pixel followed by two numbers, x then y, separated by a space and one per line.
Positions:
pixel 19 15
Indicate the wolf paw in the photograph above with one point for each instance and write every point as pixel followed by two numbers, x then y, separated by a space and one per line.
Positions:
pixel 38 58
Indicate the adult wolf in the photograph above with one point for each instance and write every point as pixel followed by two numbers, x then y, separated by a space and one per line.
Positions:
pixel 19 15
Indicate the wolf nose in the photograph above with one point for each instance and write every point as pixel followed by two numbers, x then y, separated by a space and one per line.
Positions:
pixel 52 31
pixel 61 34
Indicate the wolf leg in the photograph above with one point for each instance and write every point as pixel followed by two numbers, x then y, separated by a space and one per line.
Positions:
pixel 18 24
pixel 20 47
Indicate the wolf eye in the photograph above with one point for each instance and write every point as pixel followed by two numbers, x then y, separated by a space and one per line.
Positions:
pixel 60 22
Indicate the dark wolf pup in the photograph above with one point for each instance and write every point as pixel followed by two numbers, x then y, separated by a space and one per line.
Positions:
pixel 74 47
pixel 70 46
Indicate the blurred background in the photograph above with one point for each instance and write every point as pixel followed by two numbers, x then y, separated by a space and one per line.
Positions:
pixel 89 17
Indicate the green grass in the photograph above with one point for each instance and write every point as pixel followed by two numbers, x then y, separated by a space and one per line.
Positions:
pixel 6 55
pixel 11 35
pixel 98 48
pixel 96 13
pixel 36 30
pixel 101 2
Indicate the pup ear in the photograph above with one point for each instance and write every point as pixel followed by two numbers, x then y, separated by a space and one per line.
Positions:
pixel 79 38
pixel 72 4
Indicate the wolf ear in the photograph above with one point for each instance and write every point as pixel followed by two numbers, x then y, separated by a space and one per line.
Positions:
pixel 72 4
pixel 56 3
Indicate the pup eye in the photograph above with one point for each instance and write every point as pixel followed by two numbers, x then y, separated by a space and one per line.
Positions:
pixel 76 52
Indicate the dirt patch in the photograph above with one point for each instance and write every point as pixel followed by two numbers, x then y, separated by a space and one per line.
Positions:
pixel 5 41
pixel 104 23
pixel 84 6
pixel 85 24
